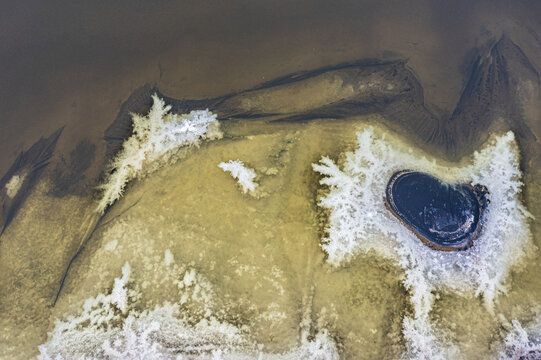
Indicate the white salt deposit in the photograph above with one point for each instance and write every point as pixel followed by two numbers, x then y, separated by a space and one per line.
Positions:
pixel 168 257
pixel 359 222
pixel 245 176
pixel 156 139
pixel 14 184
pixel 111 245
pixel 110 327
pixel 113 327
pixel 522 343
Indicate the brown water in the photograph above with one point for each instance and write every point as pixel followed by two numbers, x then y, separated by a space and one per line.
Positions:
pixel 258 258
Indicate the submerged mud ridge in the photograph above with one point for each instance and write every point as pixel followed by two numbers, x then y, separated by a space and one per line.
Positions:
pixel 340 91
pixel 16 184
pixel 501 84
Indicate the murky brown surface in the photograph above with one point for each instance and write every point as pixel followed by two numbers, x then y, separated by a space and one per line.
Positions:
pixel 73 64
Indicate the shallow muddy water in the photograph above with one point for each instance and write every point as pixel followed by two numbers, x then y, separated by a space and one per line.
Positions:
pixel 310 264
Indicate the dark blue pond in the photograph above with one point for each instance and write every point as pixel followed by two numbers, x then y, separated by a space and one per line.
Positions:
pixel 444 216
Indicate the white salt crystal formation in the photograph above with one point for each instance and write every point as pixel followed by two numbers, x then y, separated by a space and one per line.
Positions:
pixel 521 343
pixel 156 139
pixel 116 326
pixel 245 176
pixel 360 222
pixel 14 184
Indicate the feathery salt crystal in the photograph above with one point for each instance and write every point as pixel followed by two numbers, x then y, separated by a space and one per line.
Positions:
pixel 156 139
pixel 245 176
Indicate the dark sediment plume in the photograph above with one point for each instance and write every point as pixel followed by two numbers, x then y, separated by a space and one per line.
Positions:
pixel 138 102
pixel 16 184
pixel 501 81
pixel 358 88
pixel 445 217
pixel 68 177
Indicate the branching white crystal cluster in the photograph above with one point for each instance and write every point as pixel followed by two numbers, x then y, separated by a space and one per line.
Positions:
pixel 245 176
pixel 114 326
pixel 111 327
pixel 359 222
pixel 14 184
pixel 522 343
pixel 156 139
